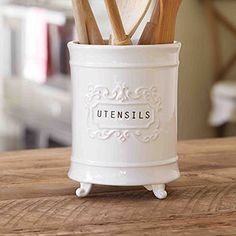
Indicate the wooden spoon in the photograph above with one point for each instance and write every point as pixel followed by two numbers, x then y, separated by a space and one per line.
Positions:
pixel 79 16
pixel 120 37
pixel 94 34
pixel 161 28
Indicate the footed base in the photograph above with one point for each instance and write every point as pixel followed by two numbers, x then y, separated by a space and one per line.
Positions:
pixel 158 190
pixel 124 176
pixel 153 177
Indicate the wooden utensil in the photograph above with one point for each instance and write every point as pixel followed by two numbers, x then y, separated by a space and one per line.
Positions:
pixel 166 27
pixel 120 37
pixel 132 13
pixel 80 25
pixel 94 34
pixel 161 28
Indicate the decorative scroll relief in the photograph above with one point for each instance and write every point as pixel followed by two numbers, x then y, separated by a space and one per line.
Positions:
pixel 123 113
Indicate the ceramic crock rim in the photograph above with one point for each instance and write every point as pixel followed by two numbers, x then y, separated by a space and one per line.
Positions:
pixel 76 44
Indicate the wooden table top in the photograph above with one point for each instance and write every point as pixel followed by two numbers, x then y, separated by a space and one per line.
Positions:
pixel 37 198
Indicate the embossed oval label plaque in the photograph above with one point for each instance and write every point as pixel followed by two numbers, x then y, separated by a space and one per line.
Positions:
pixel 123 113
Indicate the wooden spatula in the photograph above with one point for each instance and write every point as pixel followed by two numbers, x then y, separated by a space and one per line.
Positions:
pixel 94 34
pixel 161 28
pixel 80 25
pixel 120 37
pixel 166 26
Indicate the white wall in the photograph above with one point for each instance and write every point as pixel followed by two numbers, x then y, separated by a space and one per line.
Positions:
pixel 196 70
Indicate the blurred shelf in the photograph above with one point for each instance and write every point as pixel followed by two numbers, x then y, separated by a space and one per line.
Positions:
pixel 53 15
pixel 46 108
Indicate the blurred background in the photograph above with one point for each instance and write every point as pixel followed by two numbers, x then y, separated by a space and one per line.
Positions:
pixel 35 86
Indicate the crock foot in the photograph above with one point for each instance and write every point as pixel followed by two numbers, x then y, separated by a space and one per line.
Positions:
pixel 158 190
pixel 83 190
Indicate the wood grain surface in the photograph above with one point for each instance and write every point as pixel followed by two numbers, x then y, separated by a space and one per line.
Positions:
pixel 37 198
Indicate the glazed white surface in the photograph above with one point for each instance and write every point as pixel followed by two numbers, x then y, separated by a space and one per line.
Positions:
pixel 139 80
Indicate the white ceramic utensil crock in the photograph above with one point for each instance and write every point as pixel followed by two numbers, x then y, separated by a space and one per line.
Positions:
pixel 124 116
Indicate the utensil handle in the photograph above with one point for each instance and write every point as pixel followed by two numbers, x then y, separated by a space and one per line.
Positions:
pixel 80 25
pixel 120 37
pixel 94 34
